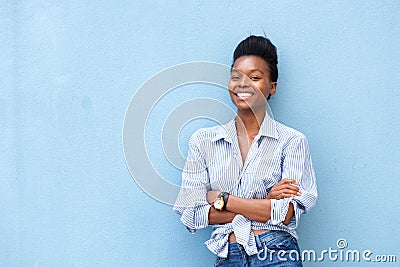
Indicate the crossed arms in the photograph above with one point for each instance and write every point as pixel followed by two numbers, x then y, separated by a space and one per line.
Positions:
pixel 254 209
pixel 195 196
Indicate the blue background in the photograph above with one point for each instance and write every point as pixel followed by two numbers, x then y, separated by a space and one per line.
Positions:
pixel 70 68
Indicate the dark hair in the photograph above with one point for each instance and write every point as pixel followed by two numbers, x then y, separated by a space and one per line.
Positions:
pixel 261 47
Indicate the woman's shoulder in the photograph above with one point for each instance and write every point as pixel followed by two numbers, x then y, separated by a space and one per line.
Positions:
pixel 287 133
pixel 212 133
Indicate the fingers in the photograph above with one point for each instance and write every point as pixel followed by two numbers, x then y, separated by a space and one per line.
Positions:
pixel 284 195
pixel 211 196
pixel 291 192
pixel 286 188
pixel 288 181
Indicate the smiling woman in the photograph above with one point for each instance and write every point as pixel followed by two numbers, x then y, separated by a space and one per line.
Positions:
pixel 252 178
pixel 250 83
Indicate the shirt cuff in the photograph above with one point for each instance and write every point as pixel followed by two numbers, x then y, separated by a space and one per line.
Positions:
pixel 279 209
pixel 196 218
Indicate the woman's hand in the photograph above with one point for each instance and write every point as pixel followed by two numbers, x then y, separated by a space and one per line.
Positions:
pixel 284 189
pixel 211 196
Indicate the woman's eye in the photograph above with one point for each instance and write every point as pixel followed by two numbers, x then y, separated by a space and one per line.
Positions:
pixel 255 78
pixel 235 78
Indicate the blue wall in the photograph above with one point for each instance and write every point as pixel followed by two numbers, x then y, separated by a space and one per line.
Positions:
pixel 70 68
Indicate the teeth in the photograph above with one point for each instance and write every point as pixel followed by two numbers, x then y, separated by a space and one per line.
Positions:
pixel 244 94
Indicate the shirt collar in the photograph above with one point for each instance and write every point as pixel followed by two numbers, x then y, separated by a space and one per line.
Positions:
pixel 228 131
pixel 268 127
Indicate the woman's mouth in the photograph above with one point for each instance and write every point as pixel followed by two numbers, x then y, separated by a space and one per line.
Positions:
pixel 244 95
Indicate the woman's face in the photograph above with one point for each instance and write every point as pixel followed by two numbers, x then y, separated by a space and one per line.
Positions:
pixel 250 83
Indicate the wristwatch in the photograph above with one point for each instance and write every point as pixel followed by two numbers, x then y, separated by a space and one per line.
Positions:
pixel 221 201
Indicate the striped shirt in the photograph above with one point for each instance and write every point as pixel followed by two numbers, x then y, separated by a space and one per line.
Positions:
pixel 214 163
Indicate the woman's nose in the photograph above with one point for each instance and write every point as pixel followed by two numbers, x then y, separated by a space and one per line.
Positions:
pixel 244 81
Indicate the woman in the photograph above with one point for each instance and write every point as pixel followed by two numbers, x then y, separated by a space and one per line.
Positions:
pixel 252 178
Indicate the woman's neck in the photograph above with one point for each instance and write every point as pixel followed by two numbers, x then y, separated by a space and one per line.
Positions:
pixel 249 122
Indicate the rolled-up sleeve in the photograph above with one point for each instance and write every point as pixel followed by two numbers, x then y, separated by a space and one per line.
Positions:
pixel 297 165
pixel 191 204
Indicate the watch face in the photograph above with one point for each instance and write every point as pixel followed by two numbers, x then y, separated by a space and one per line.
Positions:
pixel 219 203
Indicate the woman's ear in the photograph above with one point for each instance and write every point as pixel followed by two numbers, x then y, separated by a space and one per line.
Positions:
pixel 272 90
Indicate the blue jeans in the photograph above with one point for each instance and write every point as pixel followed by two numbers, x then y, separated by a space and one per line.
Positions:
pixel 275 248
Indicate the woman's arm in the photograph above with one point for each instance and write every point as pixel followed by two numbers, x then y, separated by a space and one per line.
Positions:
pixel 253 209
pixel 220 217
